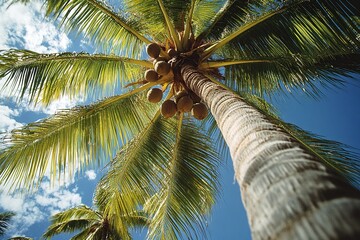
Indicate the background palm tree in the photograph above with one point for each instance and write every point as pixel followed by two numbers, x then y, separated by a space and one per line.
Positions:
pixel 93 224
pixel 227 53
pixel 5 218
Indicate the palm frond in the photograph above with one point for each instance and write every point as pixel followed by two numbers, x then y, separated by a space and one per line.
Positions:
pixel 172 29
pixel 5 218
pixel 46 77
pixel 298 27
pixel 134 172
pixel 137 219
pixel 149 14
pixel 291 73
pixel 160 19
pixel 187 191
pixel 228 15
pixel 188 25
pixel 85 234
pixel 100 23
pixel 200 12
pixel 244 28
pixel 203 13
pixel 71 139
pixel 71 220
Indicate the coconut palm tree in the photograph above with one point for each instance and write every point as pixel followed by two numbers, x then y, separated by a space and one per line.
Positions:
pixel 226 55
pixel 93 224
pixel 5 218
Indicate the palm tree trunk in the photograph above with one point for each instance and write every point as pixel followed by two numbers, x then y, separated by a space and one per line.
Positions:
pixel 287 192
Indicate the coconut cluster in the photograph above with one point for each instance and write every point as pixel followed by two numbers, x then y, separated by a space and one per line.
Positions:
pixel 183 101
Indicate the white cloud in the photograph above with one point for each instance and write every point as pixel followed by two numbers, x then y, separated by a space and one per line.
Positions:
pixel 90 174
pixel 32 209
pixel 7 122
pixel 25 26
pixel 65 102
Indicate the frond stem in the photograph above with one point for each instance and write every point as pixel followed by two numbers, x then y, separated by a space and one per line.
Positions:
pixel 188 25
pixel 44 58
pixel 170 26
pixel 216 64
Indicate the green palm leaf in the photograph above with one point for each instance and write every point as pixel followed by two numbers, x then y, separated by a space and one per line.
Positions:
pixel 149 14
pixel 5 218
pixel 97 21
pixel 141 169
pixel 203 13
pixel 71 139
pixel 291 73
pixel 71 220
pixel 316 27
pixel 228 15
pixel 46 77
pixel 153 19
pixel 92 224
pixel 136 168
pixel 188 187
pixel 300 60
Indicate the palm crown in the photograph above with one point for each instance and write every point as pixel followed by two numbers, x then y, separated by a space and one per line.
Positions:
pixel 168 165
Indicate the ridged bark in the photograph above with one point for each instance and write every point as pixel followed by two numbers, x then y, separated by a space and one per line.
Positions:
pixel 287 192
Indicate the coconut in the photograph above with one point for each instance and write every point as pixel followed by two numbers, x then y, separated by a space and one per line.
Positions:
pixel 199 111
pixel 162 67
pixel 151 75
pixel 184 104
pixel 180 95
pixel 172 52
pixel 158 60
pixel 154 95
pixel 153 50
pixel 168 108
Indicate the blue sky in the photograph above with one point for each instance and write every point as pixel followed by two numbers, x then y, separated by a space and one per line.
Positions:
pixel 335 116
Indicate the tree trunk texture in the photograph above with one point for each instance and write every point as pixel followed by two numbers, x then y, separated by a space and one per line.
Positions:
pixel 287 192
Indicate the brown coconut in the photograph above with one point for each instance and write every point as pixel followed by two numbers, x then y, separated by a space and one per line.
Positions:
pixel 151 75
pixel 184 104
pixel 199 111
pixel 172 52
pixel 168 108
pixel 162 68
pixel 158 60
pixel 154 95
pixel 153 50
pixel 180 95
